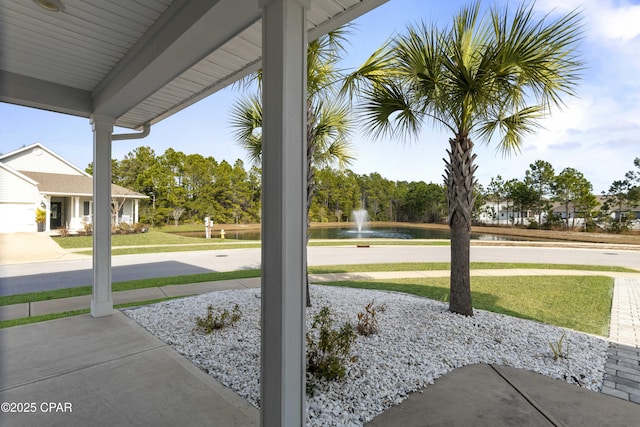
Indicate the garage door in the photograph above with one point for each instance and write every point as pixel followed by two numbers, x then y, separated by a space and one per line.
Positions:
pixel 16 217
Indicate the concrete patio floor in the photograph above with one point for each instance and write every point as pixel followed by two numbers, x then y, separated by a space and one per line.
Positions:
pixel 492 395
pixel 108 372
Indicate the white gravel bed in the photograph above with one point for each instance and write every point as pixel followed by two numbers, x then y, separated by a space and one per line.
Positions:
pixel 419 341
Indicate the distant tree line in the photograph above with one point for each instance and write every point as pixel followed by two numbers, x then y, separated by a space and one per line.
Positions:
pixel 189 187
pixel 339 193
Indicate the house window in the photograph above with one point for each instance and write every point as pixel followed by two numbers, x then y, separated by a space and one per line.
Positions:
pixel 86 208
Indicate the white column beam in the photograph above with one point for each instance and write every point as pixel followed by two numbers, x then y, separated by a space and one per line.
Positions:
pixel 101 300
pixel 283 212
pixel 76 215
pixel 136 212
pixel 47 223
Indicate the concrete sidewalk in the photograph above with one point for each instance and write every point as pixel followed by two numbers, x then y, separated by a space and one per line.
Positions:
pixel 38 308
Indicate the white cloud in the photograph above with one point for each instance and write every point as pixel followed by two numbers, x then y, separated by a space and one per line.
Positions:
pixel 556 127
pixel 616 23
pixel 609 19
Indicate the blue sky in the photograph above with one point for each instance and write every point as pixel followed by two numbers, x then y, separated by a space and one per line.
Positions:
pixel 597 133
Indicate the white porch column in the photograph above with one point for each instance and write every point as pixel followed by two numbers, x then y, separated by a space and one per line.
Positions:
pixel 75 220
pixel 283 212
pixel 135 211
pixel 101 301
pixel 47 223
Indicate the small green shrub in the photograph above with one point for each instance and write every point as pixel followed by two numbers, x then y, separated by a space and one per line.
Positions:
pixel 559 350
pixel 212 322
pixel 328 348
pixel 367 321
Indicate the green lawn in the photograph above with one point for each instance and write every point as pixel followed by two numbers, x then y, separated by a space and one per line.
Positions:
pixel 582 303
pixel 151 237
pixel 431 266
pixel 221 245
pixel 158 241
pixel 218 244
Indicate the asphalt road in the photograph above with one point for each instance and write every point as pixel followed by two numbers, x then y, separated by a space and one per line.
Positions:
pixel 32 277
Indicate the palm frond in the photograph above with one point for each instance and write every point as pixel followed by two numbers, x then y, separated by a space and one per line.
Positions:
pixel 323 54
pixel 512 128
pixel 340 151
pixel 538 55
pixel 419 59
pixel 388 112
pixel 374 71
pixel 246 122
pixel 330 131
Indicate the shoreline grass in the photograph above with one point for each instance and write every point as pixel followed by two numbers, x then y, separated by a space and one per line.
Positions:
pixel 159 241
pixel 219 244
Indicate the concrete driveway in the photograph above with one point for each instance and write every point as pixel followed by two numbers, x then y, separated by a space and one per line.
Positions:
pixel 18 248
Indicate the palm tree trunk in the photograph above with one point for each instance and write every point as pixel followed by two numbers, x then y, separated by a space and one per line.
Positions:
pixel 311 189
pixel 311 186
pixel 459 180
pixel 310 195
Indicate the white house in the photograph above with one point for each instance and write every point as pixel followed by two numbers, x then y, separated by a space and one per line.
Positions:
pixel 501 213
pixel 35 177
pixel 504 214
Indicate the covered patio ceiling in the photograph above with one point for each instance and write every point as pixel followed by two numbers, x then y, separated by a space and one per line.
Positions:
pixel 138 61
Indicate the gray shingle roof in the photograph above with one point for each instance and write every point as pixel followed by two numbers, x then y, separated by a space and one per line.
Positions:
pixel 74 185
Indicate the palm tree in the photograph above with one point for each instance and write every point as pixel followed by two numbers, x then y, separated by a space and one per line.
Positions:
pixel 495 73
pixel 328 123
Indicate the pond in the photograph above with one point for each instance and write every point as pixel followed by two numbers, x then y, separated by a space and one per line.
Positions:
pixel 367 233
